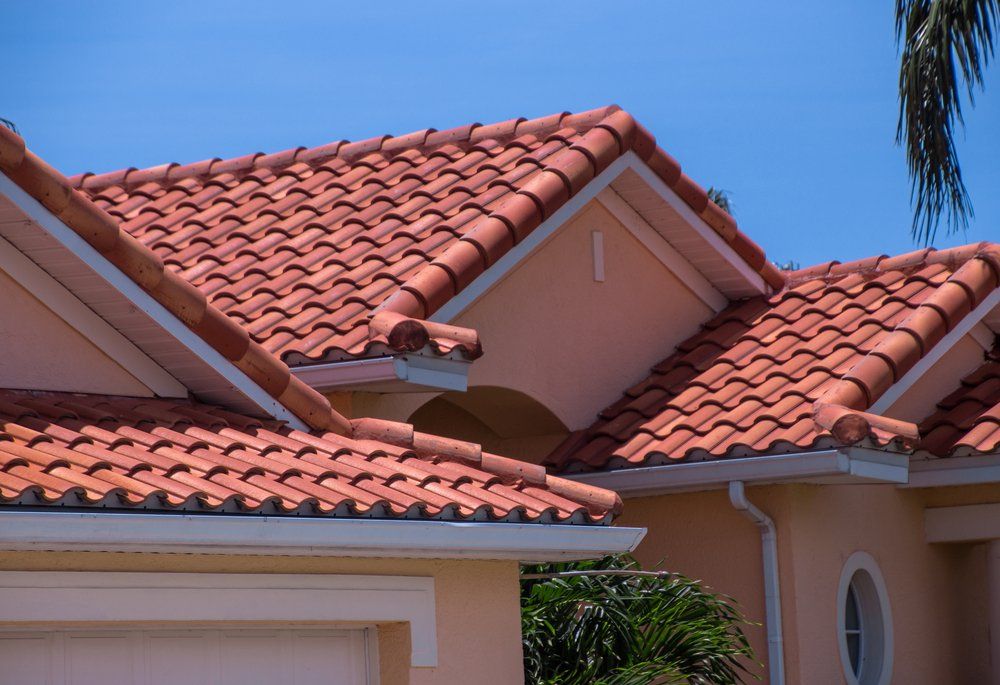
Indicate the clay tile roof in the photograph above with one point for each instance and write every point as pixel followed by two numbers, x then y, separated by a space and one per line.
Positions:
pixel 70 450
pixel 968 420
pixel 796 370
pixel 146 268
pixel 301 247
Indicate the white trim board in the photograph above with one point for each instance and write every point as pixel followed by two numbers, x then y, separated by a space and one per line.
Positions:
pixel 944 472
pixel 62 597
pixel 850 465
pixel 685 272
pixel 142 300
pixel 966 325
pixel 399 373
pixel 293 535
pixel 970 523
pixel 592 190
pixel 82 318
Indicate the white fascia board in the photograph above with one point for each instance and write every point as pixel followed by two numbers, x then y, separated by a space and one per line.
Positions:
pixel 945 472
pixel 851 465
pixel 82 318
pixel 414 372
pixel 274 536
pixel 704 230
pixel 662 250
pixel 142 300
pixel 970 523
pixel 965 326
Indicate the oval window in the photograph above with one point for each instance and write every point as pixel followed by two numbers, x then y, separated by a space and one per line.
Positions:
pixel 864 623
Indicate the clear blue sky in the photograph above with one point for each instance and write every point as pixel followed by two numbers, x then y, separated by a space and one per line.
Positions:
pixel 791 106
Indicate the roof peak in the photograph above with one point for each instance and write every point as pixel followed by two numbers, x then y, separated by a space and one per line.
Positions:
pixel 387 146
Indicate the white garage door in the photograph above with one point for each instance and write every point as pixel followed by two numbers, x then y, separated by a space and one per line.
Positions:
pixel 188 657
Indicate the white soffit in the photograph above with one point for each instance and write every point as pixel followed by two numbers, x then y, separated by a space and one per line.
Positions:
pixel 122 303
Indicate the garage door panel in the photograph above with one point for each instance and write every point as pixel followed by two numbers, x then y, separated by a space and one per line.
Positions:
pixel 179 657
pixel 98 657
pixel 191 657
pixel 25 658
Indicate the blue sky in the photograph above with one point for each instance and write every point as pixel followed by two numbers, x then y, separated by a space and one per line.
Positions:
pixel 790 106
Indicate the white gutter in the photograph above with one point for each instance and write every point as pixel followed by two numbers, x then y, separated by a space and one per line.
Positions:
pixel 263 535
pixel 946 471
pixel 772 590
pixel 850 465
pixel 414 372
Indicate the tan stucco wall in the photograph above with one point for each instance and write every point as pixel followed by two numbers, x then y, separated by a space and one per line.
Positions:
pixel 40 351
pixel 478 619
pixel 551 331
pixel 936 591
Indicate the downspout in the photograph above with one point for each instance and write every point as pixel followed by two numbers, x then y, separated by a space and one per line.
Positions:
pixel 772 593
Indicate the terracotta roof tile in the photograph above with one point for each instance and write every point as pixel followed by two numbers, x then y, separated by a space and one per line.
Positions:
pixel 282 243
pixel 799 369
pixel 968 420
pixel 116 452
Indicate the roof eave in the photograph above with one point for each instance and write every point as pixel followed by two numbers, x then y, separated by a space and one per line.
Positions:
pixel 294 536
pixel 825 467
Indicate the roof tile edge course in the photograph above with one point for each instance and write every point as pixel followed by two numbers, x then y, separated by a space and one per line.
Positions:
pixel 610 133
pixel 55 192
pixel 403 435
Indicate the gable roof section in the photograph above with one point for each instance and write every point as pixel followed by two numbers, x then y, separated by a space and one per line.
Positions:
pixel 155 454
pixel 302 246
pixel 794 371
pixel 82 450
pixel 967 421
pixel 180 298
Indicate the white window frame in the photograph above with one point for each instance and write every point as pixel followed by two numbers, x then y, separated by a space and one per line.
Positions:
pixel 877 598
pixel 53 599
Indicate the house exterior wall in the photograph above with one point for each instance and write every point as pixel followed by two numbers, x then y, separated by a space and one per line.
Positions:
pixel 42 352
pixel 478 615
pixel 936 592
pixel 554 333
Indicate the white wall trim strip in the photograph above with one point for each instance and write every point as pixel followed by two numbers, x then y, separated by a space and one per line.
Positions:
pixel 416 370
pixel 971 523
pixel 82 318
pixel 292 535
pixel 131 290
pixel 847 465
pixel 61 597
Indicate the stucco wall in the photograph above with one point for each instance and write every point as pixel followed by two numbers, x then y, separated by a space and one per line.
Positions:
pixel 936 592
pixel 478 620
pixel 40 351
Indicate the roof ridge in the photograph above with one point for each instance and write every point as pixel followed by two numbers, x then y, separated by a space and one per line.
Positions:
pixel 842 409
pixel 565 174
pixel 428 138
pixel 829 271
pixel 178 296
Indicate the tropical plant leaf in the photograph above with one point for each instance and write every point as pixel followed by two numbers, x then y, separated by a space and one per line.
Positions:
pixel 946 45
pixel 9 124
pixel 606 622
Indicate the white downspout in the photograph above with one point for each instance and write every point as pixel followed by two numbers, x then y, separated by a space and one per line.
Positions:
pixel 772 592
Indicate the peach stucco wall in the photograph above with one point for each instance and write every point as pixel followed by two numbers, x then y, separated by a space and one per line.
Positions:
pixel 935 591
pixel 40 351
pixel 553 332
pixel 478 620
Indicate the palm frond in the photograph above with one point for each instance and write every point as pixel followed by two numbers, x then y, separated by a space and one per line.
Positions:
pixel 946 45
pixel 606 622
pixel 721 198
pixel 9 124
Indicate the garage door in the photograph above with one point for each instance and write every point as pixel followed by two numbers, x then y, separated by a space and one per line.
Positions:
pixel 191 657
